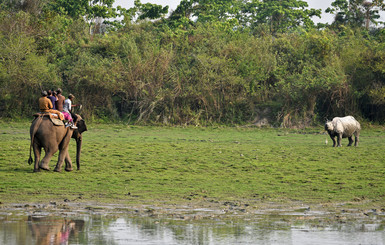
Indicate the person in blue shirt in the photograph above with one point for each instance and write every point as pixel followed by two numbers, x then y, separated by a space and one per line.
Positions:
pixel 52 97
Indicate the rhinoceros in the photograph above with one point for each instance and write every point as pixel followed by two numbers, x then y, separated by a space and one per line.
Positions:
pixel 343 127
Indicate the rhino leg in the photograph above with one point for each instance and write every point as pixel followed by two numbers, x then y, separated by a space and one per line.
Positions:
pixel 350 140
pixel 339 139
pixel 334 141
pixel 356 141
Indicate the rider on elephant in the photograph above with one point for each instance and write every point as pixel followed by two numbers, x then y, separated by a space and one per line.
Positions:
pixel 60 100
pixel 52 97
pixel 45 106
pixel 67 108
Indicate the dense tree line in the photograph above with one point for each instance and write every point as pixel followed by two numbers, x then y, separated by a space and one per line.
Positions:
pixel 218 61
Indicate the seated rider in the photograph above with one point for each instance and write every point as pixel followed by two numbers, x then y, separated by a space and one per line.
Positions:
pixel 67 107
pixel 60 100
pixel 45 105
pixel 52 97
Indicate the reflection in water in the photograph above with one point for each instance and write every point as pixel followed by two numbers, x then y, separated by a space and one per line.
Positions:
pixel 277 231
pixel 120 229
pixel 53 231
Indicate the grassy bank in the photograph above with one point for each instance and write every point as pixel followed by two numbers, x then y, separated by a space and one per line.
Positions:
pixel 175 165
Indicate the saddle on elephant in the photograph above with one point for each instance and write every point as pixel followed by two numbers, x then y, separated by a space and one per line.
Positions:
pixel 52 116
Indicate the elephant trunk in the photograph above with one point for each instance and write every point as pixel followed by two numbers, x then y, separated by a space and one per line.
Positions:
pixel 78 150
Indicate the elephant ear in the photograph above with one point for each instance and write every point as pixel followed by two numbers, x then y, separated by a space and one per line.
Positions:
pixel 81 124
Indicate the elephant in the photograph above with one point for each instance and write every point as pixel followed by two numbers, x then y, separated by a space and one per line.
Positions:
pixel 44 134
pixel 343 127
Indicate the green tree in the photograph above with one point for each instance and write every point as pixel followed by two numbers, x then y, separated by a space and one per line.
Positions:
pixel 30 6
pixel 224 12
pixel 142 11
pixel 355 13
pixel 279 15
pixel 94 11
pixel 150 11
pixel 83 8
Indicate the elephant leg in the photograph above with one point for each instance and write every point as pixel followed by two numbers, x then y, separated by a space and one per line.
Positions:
pixel 350 141
pixel 63 153
pixel 60 161
pixel 47 158
pixel 64 157
pixel 37 153
pixel 68 162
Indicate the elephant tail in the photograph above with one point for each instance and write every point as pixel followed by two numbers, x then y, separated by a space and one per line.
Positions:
pixel 30 160
pixel 37 125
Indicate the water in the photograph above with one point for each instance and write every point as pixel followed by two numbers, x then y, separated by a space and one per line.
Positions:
pixel 198 227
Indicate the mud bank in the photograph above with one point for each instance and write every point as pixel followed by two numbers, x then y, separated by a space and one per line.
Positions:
pixel 198 211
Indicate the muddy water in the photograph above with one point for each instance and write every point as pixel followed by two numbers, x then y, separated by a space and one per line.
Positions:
pixel 199 226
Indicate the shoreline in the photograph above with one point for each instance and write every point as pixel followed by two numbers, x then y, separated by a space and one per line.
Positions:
pixel 195 211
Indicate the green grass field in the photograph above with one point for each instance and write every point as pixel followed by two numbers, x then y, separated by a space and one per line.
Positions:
pixel 177 165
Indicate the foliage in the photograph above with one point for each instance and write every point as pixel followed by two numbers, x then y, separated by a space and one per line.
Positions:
pixel 280 16
pixel 208 62
pixel 355 13
pixel 150 11
pixel 309 69
pixel 23 72
pixel 80 8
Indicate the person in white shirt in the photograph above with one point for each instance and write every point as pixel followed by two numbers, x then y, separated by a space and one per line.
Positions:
pixel 67 107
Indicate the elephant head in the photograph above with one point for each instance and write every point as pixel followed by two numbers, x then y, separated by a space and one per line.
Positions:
pixel 77 135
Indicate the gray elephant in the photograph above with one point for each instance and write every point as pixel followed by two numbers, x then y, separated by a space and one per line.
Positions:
pixel 44 134
pixel 343 127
